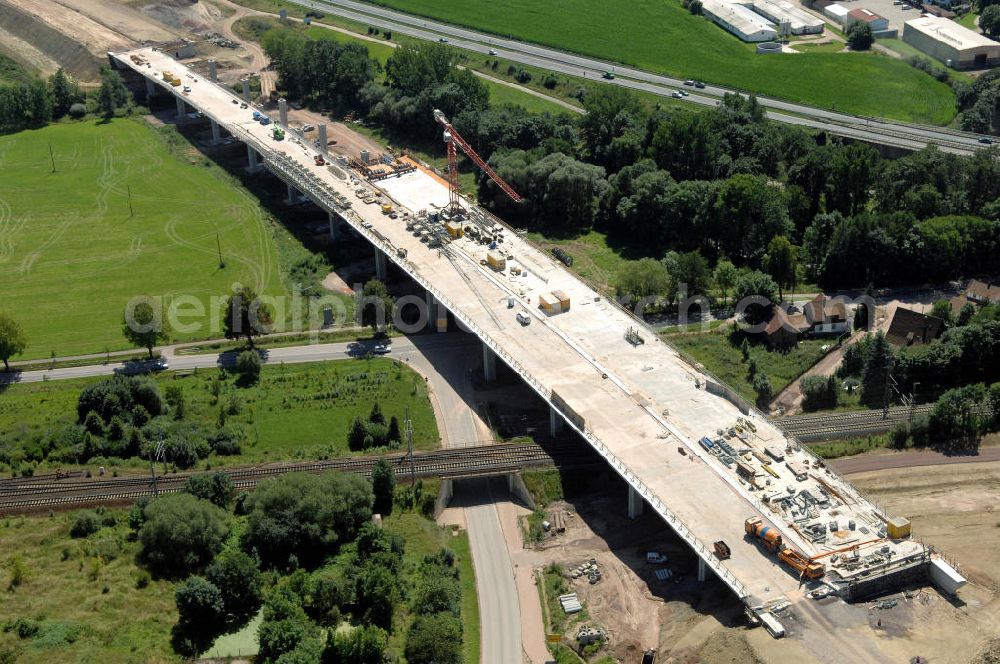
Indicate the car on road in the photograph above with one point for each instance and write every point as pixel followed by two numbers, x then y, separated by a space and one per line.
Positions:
pixel 676 94
pixel 986 140
pixel 522 318
pixel 493 51
pixel 443 40
pixel 140 367
pixel 699 85
pixel 684 93
pixel 307 127
pixel 608 75
pixel 382 348
pixel 689 82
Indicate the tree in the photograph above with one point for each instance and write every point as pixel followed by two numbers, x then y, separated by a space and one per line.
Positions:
pixel 860 36
pixel 305 515
pixel 356 435
pixel 692 272
pixel 875 375
pixel 383 486
pixel 755 210
pixel 724 276
pixel 989 20
pixel 376 416
pixel 199 603
pixel 245 314
pixel 762 386
pixel 12 339
pixel 248 366
pixel 216 488
pixel 755 294
pixel 942 310
pixel 174 396
pixel 376 305
pixel 378 589
pixel 358 645
pixel 642 279
pixel 64 91
pixel 181 533
pixel 144 325
pixel 781 263
pixel 960 417
pixel 112 94
pixel 434 639
pixel 394 436
pixel 438 593
pixel 820 392
pixel 238 578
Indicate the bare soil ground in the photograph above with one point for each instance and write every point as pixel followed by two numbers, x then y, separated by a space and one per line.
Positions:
pixel 97 38
pixel 119 18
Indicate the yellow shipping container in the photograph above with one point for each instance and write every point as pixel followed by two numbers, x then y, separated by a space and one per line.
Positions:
pixel 898 527
pixel 454 229
pixel 496 261
pixel 563 299
pixel 549 303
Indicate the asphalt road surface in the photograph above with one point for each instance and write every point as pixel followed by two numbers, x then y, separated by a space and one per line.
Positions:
pixel 866 462
pixel 874 130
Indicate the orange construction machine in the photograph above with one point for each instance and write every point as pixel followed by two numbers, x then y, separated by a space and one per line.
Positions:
pixel 768 535
pixel 806 567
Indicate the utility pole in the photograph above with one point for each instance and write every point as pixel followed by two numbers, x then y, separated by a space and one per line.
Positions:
pixel 218 245
pixel 158 453
pixel 890 383
pixel 128 190
pixel 408 432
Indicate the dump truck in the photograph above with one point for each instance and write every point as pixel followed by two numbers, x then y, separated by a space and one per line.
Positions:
pixel 805 567
pixel 768 535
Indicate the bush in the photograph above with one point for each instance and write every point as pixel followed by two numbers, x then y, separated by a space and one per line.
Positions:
pixel 77 110
pixel 217 488
pixel 85 523
pixel 199 603
pixel 238 579
pixel 248 367
pixel 434 639
pixel 820 392
pixel 860 36
pixel 181 533
pixel 366 644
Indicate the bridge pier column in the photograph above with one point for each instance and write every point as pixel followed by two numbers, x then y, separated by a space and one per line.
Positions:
pixel 180 107
pixel 556 422
pixel 216 133
pixel 333 226
pixel 251 159
pixel 150 88
pixel 213 71
pixel 635 503
pixel 380 268
pixel 702 569
pixel 431 310
pixel 292 194
pixel 246 88
pixel 489 364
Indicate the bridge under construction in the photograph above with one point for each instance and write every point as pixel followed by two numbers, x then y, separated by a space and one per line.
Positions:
pixel 688 447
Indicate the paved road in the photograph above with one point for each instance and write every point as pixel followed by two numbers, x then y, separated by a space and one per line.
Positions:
pixel 898 134
pixel 866 462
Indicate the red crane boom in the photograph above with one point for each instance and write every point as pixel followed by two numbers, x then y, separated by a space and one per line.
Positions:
pixel 455 141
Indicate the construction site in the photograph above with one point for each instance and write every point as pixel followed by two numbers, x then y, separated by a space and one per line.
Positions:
pixel 763 514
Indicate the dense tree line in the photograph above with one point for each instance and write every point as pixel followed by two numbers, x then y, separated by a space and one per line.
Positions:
pixel 34 102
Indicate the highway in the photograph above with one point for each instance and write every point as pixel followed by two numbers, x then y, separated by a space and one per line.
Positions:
pixel 897 134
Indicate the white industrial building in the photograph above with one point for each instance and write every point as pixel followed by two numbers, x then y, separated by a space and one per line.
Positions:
pixel 876 22
pixel 800 22
pixel 739 20
pixel 837 12
pixel 951 43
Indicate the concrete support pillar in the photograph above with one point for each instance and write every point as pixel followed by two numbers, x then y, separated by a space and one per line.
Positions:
pixel 431 310
pixel 216 134
pixel 252 158
pixel 489 364
pixel 213 71
pixel 380 268
pixel 321 129
pixel 283 113
pixel 702 568
pixel 180 107
pixel 635 503
pixel 150 88
pixel 510 483
pixel 556 422
pixel 246 88
pixel 334 223
pixel 293 195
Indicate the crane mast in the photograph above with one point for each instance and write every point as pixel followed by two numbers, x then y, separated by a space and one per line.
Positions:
pixel 456 142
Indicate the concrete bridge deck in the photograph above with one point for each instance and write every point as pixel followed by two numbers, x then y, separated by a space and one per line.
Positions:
pixel 638 406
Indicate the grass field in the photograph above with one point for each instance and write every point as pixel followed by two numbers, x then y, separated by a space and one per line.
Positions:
pixel 83 595
pixel 295 411
pixel 968 20
pixel 724 359
pixel 71 254
pixel 660 35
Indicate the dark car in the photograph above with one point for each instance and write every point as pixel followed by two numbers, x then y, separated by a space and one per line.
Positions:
pixel 699 85
pixel 986 141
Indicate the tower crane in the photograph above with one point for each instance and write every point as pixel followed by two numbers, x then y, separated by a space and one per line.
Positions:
pixel 456 142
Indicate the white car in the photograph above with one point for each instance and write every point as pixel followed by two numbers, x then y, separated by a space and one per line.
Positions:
pixel 493 51
pixel 307 127
pixel 656 558
pixel 676 94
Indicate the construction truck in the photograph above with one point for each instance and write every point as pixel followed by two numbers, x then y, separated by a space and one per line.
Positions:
pixel 768 535
pixel 319 160
pixel 278 134
pixel 806 567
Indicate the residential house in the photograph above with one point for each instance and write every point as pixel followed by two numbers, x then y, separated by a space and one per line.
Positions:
pixel 982 292
pixel 826 316
pixel 912 328
pixel 784 329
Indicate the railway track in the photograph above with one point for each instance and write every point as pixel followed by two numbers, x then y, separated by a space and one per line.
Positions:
pixel 52 492
pixel 825 426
